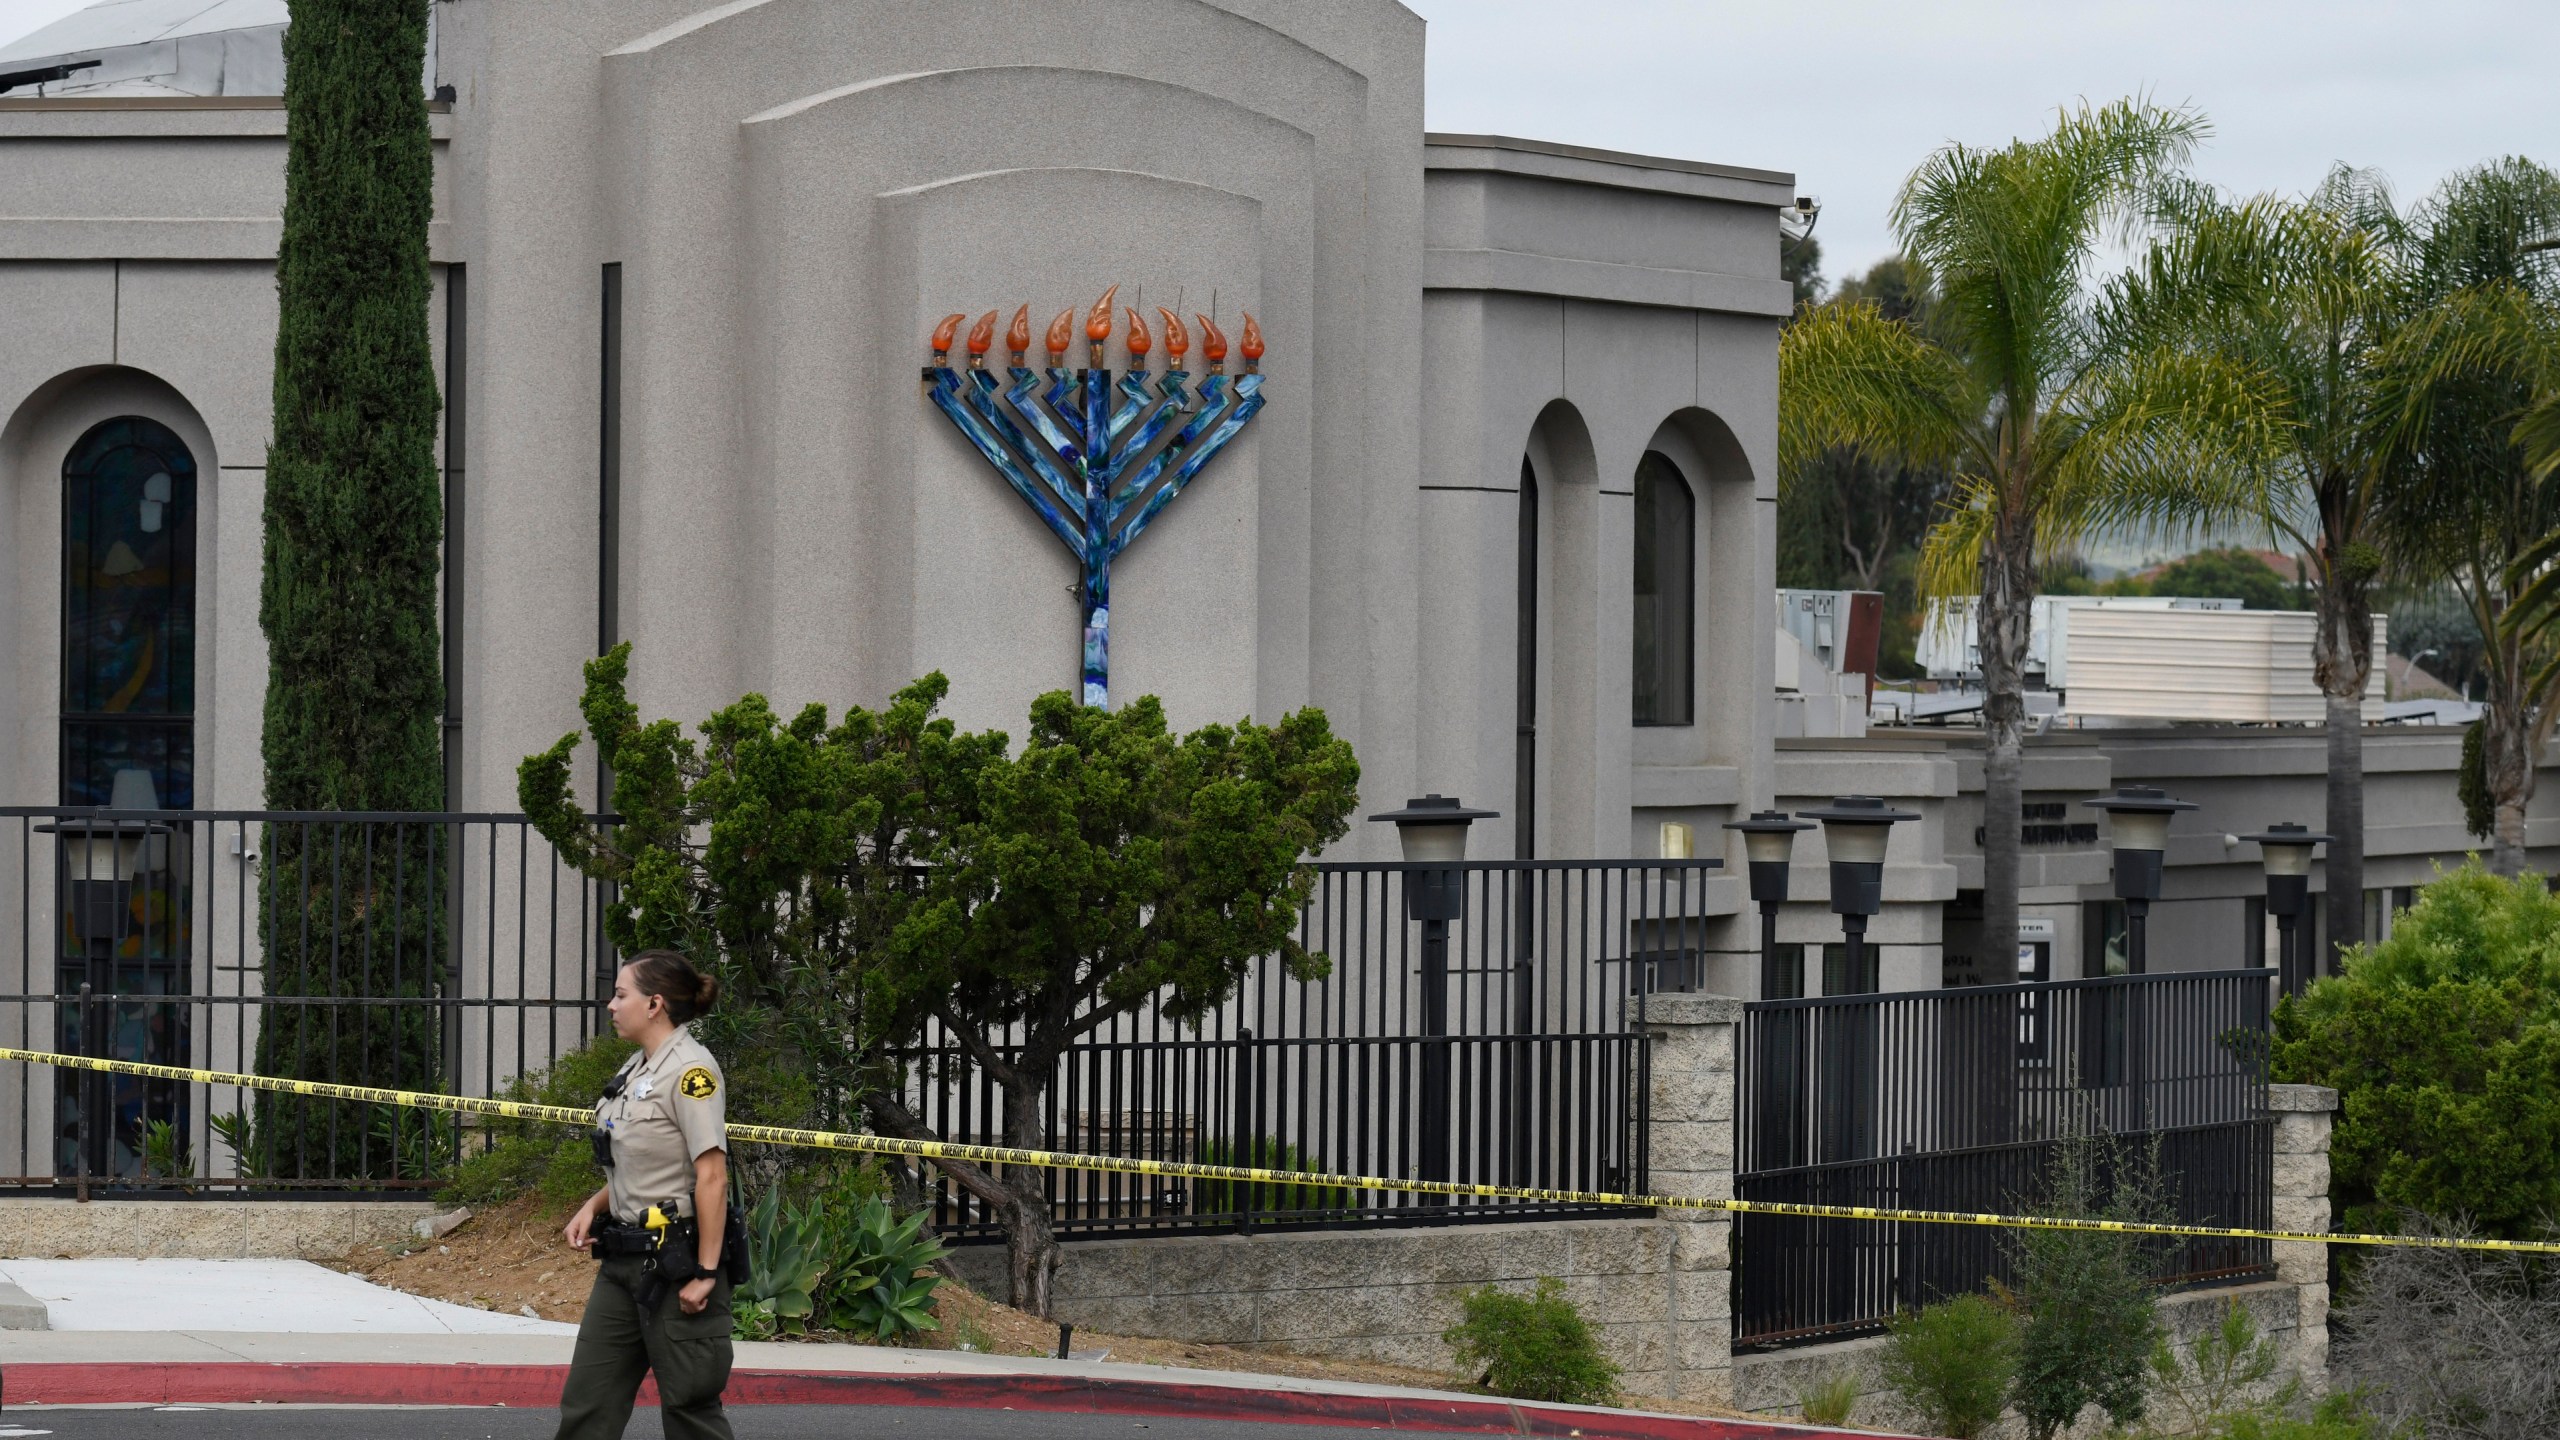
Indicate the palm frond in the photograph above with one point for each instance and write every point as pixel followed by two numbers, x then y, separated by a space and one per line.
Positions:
pixel 1951 556
pixel 1850 378
pixel 2167 442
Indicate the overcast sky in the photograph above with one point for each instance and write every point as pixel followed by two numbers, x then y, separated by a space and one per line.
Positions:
pixel 1850 94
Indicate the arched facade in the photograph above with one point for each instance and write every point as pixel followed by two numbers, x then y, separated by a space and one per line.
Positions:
pixel 125 628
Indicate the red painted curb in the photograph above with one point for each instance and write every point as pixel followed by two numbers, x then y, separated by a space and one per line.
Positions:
pixel 538 1387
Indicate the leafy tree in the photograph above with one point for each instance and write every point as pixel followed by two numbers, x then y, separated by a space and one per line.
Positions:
pixel 2051 422
pixel 2475 503
pixel 2226 575
pixel 777 854
pixel 2309 295
pixel 887 881
pixel 1848 520
pixel 1108 868
pixel 348 599
pixel 2443 1043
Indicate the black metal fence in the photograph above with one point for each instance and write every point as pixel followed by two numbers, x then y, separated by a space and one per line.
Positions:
pixel 1492 1042
pixel 1495 1045
pixel 1959 1100
pixel 155 936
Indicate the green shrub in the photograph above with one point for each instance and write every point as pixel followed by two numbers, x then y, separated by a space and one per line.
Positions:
pixel 786 1261
pixel 1953 1363
pixel 555 1161
pixel 2339 1417
pixel 1532 1347
pixel 2212 1384
pixel 2090 1325
pixel 2444 1045
pixel 880 1278
pixel 1227 1197
pixel 1830 1400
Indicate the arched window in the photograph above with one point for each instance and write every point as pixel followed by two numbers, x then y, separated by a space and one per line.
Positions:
pixel 129 617
pixel 1666 591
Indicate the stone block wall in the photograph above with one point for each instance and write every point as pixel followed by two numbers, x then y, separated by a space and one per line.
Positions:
pixel 1377 1295
pixel 200 1230
pixel 2304 1115
pixel 1658 1290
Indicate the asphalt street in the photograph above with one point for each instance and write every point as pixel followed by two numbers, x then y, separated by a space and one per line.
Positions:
pixel 752 1422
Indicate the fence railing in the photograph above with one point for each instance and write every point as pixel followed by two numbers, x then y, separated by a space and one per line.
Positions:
pixel 1959 1100
pixel 1491 1043
pixel 1492 1046
pixel 440 951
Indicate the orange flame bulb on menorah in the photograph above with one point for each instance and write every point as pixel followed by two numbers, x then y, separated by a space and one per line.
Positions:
pixel 981 336
pixel 1061 335
pixel 1249 344
pixel 1017 336
pixel 942 333
pixel 1177 340
pixel 1213 344
pixel 1139 341
pixel 1097 325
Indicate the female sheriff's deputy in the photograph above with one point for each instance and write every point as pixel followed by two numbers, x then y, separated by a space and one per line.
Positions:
pixel 662 1224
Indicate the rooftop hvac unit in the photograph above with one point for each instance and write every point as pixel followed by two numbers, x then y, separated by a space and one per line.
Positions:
pixel 1950 640
pixel 2241 666
pixel 1841 627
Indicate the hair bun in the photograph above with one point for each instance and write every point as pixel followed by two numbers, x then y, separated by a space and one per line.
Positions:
pixel 706 995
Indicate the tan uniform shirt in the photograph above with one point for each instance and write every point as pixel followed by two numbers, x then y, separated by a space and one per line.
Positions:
pixel 673 1107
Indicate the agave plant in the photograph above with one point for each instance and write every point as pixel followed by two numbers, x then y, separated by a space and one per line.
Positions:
pixel 884 1280
pixel 786 1258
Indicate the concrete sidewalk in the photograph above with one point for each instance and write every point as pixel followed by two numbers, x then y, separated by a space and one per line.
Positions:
pixel 288 1332
pixel 525 1371
pixel 269 1295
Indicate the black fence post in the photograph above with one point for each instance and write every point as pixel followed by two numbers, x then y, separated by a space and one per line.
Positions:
pixel 1248 1149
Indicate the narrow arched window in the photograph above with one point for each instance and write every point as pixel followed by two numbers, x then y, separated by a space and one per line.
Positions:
pixel 1666 591
pixel 129 617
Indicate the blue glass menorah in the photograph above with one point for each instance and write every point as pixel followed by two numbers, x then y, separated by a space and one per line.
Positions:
pixel 1097 457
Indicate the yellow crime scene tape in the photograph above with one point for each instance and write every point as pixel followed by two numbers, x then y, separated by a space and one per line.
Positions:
pixel 1063 1160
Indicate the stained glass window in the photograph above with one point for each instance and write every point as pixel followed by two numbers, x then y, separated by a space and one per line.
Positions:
pixel 129 617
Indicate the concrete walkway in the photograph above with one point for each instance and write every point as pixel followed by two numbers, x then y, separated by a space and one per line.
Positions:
pixel 268 1332
pixel 231 1295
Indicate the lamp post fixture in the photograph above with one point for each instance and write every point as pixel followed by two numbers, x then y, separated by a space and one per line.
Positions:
pixel 1854 828
pixel 2286 849
pixel 1768 839
pixel 1433 831
pixel 2138 818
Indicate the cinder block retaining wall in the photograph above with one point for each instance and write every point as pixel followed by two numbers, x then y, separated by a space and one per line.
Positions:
pixel 1657 1289
pixel 200 1229
pixel 1379 1295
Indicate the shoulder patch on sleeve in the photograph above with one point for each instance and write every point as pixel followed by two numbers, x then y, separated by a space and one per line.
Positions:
pixel 698 1083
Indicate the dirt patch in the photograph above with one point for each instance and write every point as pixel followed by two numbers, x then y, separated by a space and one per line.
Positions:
pixel 512 1259
pixel 509 1259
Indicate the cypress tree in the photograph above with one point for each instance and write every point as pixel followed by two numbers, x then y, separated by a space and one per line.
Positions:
pixel 349 596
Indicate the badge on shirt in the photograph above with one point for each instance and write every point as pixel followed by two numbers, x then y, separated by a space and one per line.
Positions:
pixel 641 1092
pixel 698 1084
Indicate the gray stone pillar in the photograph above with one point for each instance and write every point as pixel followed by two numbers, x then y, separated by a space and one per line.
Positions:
pixel 2303 1115
pixel 1691 1153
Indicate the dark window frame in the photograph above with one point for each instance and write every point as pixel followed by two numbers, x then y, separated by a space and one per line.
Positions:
pixel 1663 642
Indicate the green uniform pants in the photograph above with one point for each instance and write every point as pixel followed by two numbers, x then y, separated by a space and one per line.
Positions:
pixel 617 1345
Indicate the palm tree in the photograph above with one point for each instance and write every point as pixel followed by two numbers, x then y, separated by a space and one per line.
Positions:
pixel 2309 294
pixel 2461 403
pixel 2052 423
